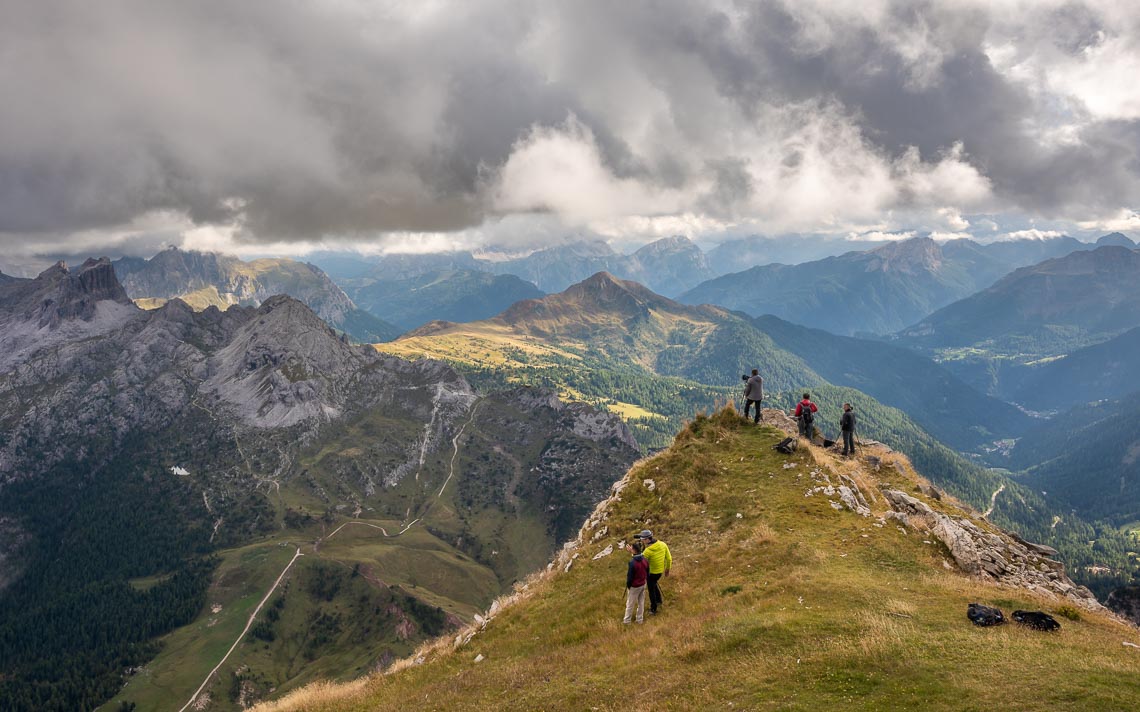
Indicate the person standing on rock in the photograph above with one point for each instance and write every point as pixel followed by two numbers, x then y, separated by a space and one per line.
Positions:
pixel 753 394
pixel 636 577
pixel 660 561
pixel 847 427
pixel 805 413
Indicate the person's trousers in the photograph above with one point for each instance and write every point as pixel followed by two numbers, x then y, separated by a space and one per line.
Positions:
pixel 748 403
pixel 655 598
pixel 635 602
pixel 848 442
pixel 807 429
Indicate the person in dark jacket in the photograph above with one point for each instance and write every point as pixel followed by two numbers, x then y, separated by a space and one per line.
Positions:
pixel 753 394
pixel 847 427
pixel 805 413
pixel 636 577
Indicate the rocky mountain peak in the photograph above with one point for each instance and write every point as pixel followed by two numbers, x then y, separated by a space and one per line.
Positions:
pixel 1117 238
pixel 285 365
pixel 58 294
pixel 676 243
pixel 914 256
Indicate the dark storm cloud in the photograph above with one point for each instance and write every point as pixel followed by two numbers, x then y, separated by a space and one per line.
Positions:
pixel 307 119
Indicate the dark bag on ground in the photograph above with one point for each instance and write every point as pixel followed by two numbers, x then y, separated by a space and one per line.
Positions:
pixel 1036 620
pixel 984 615
pixel 786 446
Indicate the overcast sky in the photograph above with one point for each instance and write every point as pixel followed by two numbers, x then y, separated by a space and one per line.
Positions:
pixel 273 125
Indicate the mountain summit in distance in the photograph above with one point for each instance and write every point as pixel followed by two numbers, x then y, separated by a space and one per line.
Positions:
pixel 203 279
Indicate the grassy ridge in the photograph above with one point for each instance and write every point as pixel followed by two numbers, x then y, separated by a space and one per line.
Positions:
pixel 776 601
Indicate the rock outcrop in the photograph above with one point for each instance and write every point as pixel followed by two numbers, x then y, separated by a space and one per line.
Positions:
pixel 990 552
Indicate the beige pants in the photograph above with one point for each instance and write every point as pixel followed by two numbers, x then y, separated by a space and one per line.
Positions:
pixel 635 599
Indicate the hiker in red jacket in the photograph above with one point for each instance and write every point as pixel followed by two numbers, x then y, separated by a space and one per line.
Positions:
pixel 636 577
pixel 805 413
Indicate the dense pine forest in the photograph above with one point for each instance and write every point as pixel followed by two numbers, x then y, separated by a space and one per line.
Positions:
pixel 119 556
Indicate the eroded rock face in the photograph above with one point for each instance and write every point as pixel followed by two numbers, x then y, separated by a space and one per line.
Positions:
pixel 991 554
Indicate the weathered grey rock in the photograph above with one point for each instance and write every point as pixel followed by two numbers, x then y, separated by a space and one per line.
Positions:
pixel 997 555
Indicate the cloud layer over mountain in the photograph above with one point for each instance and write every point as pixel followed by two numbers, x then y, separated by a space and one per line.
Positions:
pixel 274 121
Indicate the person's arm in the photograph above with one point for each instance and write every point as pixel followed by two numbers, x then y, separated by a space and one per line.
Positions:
pixel 668 559
pixel 629 574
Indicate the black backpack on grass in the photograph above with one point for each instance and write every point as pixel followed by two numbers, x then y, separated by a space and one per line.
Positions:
pixel 786 446
pixel 984 615
pixel 1036 620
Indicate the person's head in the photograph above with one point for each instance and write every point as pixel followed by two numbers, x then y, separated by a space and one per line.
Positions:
pixel 807 396
pixel 755 372
pixel 636 547
pixel 645 537
pixel 846 406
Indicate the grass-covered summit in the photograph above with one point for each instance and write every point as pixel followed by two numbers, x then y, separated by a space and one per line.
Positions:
pixel 780 598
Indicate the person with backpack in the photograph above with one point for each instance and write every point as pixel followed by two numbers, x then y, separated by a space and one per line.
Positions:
pixel 847 427
pixel 660 561
pixel 753 394
pixel 805 413
pixel 636 576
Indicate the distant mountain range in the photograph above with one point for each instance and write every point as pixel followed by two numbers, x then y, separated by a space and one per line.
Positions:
pixel 205 279
pixel 877 291
pixel 669 265
pixel 1062 303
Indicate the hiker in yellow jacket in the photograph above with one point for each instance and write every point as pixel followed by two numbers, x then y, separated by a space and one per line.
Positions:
pixel 660 561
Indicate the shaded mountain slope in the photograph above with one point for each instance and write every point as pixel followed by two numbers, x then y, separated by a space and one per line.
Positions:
pixel 1088 458
pixel 1051 307
pixel 949 409
pixel 453 295
pixel 1103 371
pixel 775 600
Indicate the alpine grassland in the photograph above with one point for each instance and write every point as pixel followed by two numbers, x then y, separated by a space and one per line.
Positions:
pixel 777 599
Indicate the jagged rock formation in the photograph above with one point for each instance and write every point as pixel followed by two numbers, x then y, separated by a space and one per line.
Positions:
pixel 208 279
pixel 990 552
pixel 75 345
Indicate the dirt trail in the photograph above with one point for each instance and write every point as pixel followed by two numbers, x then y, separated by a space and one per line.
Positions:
pixel 455 446
pixel 248 625
pixel 993 501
